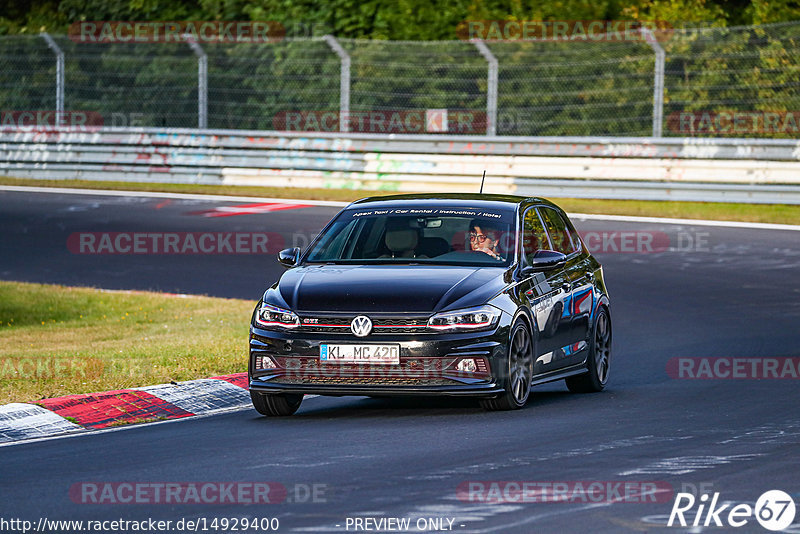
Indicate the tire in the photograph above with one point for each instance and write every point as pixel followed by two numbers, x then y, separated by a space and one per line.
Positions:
pixel 518 371
pixel 276 405
pixel 599 361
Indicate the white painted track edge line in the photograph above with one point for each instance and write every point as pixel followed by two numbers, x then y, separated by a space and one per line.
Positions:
pixel 163 194
pixel 189 196
pixel 686 222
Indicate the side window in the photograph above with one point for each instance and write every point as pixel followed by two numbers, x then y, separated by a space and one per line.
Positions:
pixel 560 236
pixel 576 240
pixel 534 236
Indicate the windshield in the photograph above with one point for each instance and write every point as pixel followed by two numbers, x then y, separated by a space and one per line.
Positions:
pixel 436 235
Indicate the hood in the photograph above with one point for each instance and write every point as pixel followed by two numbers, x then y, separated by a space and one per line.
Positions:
pixel 387 288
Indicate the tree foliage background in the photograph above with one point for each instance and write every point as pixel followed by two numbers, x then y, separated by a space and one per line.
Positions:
pixel 388 19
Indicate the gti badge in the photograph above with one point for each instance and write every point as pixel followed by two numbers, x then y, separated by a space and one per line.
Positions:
pixel 361 326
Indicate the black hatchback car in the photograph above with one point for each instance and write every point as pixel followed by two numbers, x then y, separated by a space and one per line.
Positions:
pixel 457 294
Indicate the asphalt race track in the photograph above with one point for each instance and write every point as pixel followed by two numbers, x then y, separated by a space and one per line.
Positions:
pixel 713 292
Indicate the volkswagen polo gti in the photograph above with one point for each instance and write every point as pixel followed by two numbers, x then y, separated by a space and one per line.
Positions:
pixel 467 295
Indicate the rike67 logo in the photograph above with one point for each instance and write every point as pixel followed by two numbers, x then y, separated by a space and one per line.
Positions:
pixel 774 510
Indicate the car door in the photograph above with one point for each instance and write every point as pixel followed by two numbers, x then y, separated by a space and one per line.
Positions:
pixel 546 294
pixel 578 305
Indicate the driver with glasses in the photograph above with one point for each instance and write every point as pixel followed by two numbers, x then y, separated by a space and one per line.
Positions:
pixel 484 237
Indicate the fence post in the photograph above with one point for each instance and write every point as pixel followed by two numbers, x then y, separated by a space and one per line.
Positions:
pixel 59 75
pixel 344 82
pixel 491 89
pixel 658 81
pixel 202 81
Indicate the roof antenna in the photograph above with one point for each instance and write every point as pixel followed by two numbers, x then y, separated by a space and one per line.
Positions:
pixel 482 180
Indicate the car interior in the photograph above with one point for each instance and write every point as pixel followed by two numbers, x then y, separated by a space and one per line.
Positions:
pixel 402 237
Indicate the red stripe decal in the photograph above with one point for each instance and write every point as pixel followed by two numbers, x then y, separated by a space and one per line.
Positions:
pixel 237 379
pixel 101 410
pixel 576 307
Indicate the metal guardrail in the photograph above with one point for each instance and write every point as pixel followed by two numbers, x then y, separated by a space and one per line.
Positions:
pixel 724 170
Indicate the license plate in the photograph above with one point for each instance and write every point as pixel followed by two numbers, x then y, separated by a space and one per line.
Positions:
pixel 381 354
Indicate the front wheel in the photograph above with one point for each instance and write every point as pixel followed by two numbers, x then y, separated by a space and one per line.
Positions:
pixel 276 405
pixel 518 372
pixel 598 362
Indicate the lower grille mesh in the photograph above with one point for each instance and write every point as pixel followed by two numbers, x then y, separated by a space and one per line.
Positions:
pixel 365 380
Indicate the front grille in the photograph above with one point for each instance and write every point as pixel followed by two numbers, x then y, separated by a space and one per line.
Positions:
pixel 400 326
pixel 416 325
pixel 400 322
pixel 410 372
pixel 411 366
pixel 365 380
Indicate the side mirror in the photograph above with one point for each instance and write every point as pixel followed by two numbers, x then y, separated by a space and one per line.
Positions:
pixel 288 257
pixel 544 260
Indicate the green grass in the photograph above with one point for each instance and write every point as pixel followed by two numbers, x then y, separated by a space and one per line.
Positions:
pixel 764 213
pixel 137 421
pixel 714 211
pixel 57 340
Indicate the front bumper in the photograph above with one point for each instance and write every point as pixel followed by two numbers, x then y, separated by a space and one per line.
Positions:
pixel 427 364
pixel 474 390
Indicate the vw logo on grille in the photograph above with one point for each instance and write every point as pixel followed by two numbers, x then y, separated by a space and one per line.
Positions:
pixel 361 326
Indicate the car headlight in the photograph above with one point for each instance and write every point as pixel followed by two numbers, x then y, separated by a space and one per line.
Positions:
pixel 467 319
pixel 272 316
